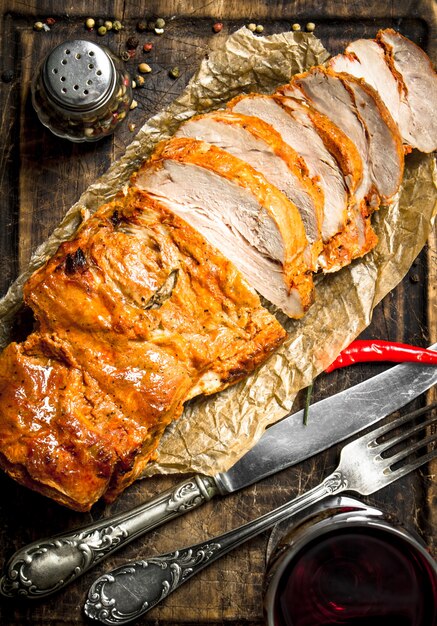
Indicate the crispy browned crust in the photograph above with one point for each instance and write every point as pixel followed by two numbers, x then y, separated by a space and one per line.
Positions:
pixel 118 349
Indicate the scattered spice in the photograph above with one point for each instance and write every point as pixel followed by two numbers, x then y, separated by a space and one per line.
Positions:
pixel 134 85
pixel 125 56
pixel 108 25
pixel 38 26
pixel 252 27
pixel 217 27
pixel 7 76
pixel 147 47
pixel 363 351
pixel 295 27
pixel 132 43
pixel 142 27
pixel 90 23
pixel 101 30
pixel 50 21
pixel 100 22
pixel 310 27
pixel 133 105
pixel 139 81
pixel 151 25
pixel 132 127
pixel 144 68
pixel 160 23
pixel 259 28
pixel 117 26
pixel 159 31
pixel 174 72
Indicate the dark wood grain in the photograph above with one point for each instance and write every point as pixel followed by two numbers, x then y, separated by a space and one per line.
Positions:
pixel 42 176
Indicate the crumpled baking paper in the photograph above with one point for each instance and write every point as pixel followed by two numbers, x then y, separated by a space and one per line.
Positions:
pixel 215 431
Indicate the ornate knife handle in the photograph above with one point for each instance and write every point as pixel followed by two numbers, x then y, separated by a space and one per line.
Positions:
pixel 152 580
pixel 43 567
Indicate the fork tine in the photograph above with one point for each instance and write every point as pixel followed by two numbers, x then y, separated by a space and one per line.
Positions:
pixel 382 430
pixel 391 476
pixel 382 447
pixel 416 446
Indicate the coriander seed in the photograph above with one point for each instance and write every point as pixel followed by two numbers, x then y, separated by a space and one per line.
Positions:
pixel 101 30
pixel 117 26
pixel 310 27
pixel 108 25
pixel 174 72
pixel 295 27
pixel 90 23
pixel 38 26
pixel 259 28
pixel 252 27
pixel 160 23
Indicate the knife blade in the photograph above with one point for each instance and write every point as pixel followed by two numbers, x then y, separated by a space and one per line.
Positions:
pixel 43 567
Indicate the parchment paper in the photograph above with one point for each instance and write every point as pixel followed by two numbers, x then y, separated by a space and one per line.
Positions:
pixel 215 431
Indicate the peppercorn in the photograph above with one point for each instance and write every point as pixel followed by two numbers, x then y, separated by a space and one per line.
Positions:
pixel 147 47
pixel 160 23
pixel 100 22
pixel 310 27
pixel 38 26
pixel 90 23
pixel 217 27
pixel 133 105
pixel 117 26
pixel 252 27
pixel 159 31
pixel 101 30
pixel 259 28
pixel 295 27
pixel 141 27
pixel 144 68
pixel 7 76
pixel 125 56
pixel 50 21
pixel 174 72
pixel 108 25
pixel 132 43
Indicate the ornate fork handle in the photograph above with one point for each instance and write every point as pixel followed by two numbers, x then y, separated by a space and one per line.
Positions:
pixel 45 566
pixel 150 581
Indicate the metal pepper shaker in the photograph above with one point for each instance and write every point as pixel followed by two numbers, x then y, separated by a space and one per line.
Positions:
pixel 81 91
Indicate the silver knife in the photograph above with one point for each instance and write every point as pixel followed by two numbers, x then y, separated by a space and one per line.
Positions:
pixel 45 566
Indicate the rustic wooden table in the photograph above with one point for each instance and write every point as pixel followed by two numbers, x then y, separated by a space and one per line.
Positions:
pixel 42 176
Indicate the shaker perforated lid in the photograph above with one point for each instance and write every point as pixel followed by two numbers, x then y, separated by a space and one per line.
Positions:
pixel 79 75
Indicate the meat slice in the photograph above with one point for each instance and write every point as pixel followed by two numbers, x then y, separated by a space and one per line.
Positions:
pixel 135 315
pixel 258 144
pixel 358 111
pixel 332 158
pixel 417 83
pixel 365 58
pixel 249 220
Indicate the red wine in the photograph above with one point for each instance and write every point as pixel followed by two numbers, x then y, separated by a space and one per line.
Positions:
pixel 357 577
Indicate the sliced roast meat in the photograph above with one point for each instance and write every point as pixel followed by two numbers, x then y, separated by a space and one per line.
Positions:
pixel 359 112
pixel 418 86
pixel 258 144
pixel 250 221
pixel 365 58
pixel 344 231
pixel 302 136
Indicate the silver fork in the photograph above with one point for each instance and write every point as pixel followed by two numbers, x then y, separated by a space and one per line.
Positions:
pixel 128 591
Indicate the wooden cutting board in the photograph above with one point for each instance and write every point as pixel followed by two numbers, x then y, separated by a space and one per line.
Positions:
pixel 42 176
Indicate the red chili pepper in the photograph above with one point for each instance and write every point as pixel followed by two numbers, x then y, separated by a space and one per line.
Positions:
pixel 362 351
